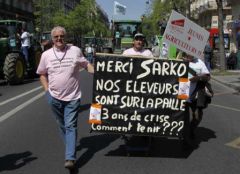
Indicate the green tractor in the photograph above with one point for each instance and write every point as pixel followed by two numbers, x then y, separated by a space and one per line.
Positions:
pixel 123 33
pixel 12 63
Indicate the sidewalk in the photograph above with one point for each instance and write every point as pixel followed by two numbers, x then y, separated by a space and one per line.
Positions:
pixel 231 78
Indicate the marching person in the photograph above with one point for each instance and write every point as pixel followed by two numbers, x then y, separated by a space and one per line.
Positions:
pixel 137 50
pixel 90 52
pixel 138 47
pixel 199 75
pixel 232 60
pixel 208 55
pixel 60 78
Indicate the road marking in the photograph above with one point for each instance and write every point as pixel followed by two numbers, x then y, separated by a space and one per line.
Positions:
pixel 18 108
pixel 235 143
pixel 19 96
pixel 222 93
pixel 225 107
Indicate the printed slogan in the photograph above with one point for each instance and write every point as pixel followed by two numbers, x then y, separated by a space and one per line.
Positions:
pixel 138 96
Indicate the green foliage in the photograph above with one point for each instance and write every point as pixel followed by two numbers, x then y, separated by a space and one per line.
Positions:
pixel 161 10
pixel 44 9
pixel 83 20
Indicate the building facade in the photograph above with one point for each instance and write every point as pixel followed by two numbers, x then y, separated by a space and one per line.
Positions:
pixel 23 9
pixel 202 11
pixel 235 8
pixel 16 9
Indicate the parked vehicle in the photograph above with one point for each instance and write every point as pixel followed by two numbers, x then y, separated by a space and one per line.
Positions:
pixel 12 63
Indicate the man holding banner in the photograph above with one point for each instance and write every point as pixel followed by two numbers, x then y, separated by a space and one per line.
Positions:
pixel 190 38
pixel 137 49
pixel 198 76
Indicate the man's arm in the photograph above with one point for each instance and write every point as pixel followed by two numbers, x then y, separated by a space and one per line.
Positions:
pixel 44 81
pixel 203 77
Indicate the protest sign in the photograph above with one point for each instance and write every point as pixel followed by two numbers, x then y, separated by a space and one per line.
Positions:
pixel 139 96
pixel 185 35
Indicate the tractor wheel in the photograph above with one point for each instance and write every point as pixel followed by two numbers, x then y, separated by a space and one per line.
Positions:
pixel 14 68
pixel 38 54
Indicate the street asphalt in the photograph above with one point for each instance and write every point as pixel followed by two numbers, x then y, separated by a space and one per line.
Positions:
pixel 232 79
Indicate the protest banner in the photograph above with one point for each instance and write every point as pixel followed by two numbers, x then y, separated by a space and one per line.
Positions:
pixel 186 35
pixel 139 96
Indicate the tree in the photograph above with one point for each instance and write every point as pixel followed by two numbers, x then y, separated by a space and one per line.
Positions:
pixel 161 10
pixel 221 39
pixel 84 19
pixel 44 10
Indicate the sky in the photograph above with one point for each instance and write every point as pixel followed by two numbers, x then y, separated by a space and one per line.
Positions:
pixel 135 8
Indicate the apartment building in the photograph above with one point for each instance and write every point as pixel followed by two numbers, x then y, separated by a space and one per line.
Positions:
pixel 235 4
pixel 16 9
pixel 202 11
pixel 23 9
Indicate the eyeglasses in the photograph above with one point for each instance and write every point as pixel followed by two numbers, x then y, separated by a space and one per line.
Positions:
pixel 58 36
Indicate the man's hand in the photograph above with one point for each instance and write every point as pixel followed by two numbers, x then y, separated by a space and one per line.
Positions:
pixel 90 68
pixel 194 79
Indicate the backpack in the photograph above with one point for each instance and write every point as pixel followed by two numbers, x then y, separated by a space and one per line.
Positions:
pixel 204 96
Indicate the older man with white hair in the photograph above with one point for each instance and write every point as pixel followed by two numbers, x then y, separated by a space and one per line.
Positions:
pixel 60 78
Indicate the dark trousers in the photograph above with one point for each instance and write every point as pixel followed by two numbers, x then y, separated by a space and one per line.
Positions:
pixel 193 118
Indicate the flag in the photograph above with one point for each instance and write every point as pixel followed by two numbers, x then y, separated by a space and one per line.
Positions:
pixel 119 8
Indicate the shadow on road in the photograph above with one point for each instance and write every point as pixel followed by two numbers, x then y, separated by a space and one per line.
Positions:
pixel 167 148
pixel 93 144
pixel 204 134
pixel 160 147
pixel 15 161
pixel 3 83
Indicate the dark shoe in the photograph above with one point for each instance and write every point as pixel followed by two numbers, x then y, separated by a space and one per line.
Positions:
pixel 69 164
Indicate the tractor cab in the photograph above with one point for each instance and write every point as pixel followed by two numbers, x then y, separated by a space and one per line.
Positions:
pixel 123 32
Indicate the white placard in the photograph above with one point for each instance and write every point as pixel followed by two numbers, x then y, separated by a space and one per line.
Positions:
pixel 185 35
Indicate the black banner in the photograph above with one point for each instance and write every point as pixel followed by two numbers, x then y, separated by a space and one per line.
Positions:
pixel 139 95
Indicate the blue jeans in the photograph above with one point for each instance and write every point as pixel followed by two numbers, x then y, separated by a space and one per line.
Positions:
pixel 66 113
pixel 26 53
pixel 208 64
pixel 90 57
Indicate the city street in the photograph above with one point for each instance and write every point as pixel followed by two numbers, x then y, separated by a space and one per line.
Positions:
pixel 31 144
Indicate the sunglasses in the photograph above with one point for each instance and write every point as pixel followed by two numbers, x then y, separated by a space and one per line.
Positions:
pixel 58 36
pixel 139 38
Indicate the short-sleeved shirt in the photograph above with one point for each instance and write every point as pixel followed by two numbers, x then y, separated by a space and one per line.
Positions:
pixel 25 39
pixel 62 70
pixel 133 52
pixel 200 68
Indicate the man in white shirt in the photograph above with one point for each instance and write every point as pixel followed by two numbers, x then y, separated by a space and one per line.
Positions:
pixel 90 52
pixel 198 75
pixel 137 50
pixel 25 43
